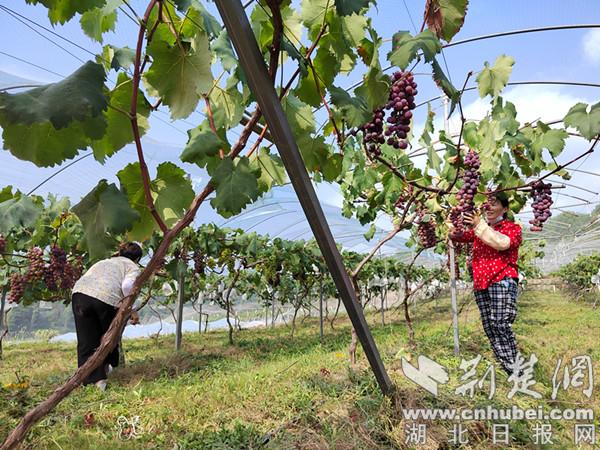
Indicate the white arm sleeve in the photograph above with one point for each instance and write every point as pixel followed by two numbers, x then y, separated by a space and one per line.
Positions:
pixel 491 237
pixel 128 282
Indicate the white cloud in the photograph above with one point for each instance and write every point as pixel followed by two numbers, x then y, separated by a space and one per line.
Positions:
pixel 591 46
pixel 532 102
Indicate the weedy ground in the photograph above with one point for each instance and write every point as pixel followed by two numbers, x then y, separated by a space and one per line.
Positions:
pixel 276 392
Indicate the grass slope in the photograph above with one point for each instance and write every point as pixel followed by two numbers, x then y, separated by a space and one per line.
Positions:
pixel 272 391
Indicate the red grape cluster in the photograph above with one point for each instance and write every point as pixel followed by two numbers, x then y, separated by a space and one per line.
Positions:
pixel 401 102
pixel 373 132
pixel 542 201
pixel 198 263
pixel 35 255
pixel 426 233
pixel 54 271
pixel 467 192
pixel 17 288
pixel 2 243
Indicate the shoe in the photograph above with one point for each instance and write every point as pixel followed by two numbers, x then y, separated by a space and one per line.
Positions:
pixel 101 384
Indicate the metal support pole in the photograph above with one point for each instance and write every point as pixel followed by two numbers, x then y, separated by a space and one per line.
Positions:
pixel 180 299
pixel 321 309
pixel 252 62
pixel 453 297
pixel 452 255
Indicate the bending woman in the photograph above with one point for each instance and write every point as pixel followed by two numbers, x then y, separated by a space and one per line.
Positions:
pixel 95 300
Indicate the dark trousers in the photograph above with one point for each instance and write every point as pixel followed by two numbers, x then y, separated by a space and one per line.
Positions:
pixel 498 307
pixel 92 319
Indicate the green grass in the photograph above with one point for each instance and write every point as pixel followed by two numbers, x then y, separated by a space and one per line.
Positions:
pixel 272 391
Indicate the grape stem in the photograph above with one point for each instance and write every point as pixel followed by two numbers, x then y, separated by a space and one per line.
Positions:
pixel 138 67
pixel 462 126
pixel 559 168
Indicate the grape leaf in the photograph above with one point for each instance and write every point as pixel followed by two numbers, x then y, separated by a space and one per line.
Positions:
pixel 491 80
pixel 370 232
pixel 118 127
pixel 179 76
pixel 332 167
pixel 44 145
pixel 202 148
pixel 314 152
pixel 353 29
pixel 236 185
pixel 405 47
pixel 348 7
pixel 313 12
pixel 299 115
pixel 227 107
pixel 272 170
pixel 588 124
pixel 353 109
pixel 505 115
pixel 116 58
pixel 224 51
pixel 61 11
pixel 104 213
pixel 95 22
pixel 375 88
pixel 444 83
pixel 18 212
pixel 445 17
pixel 173 192
pixel 326 67
pixel 77 97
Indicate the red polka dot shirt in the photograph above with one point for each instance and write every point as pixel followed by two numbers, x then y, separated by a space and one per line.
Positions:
pixel 491 265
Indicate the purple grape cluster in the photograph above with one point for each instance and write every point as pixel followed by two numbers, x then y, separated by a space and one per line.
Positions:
pixel 467 192
pixel 17 288
pixel 426 233
pixel 542 201
pixel 55 271
pixel 35 256
pixel 400 104
pixel 198 263
pixel 2 243
pixel 373 132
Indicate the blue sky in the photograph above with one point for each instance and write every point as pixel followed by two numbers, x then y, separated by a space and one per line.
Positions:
pixel 572 55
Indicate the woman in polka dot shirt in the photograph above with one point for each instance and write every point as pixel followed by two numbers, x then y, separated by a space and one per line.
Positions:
pixel 496 242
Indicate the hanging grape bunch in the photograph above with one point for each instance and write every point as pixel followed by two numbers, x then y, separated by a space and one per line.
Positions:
pixel 400 104
pixel 2 243
pixel 198 263
pixel 542 201
pixel 373 132
pixel 54 272
pixel 426 231
pixel 35 256
pixel 467 192
pixel 17 288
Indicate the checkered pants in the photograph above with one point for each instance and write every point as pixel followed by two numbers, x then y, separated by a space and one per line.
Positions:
pixel 498 307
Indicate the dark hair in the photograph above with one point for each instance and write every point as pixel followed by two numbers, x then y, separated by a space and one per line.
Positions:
pixel 130 250
pixel 502 198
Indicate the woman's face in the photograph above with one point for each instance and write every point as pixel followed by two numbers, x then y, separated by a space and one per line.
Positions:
pixel 494 209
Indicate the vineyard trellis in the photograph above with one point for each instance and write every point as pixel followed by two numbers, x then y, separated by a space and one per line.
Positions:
pixel 81 111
